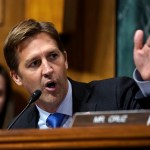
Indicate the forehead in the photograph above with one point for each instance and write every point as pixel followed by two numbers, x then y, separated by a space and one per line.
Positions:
pixel 43 35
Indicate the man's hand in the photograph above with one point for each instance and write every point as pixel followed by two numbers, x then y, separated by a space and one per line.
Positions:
pixel 142 54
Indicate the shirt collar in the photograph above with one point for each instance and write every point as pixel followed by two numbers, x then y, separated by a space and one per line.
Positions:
pixel 65 107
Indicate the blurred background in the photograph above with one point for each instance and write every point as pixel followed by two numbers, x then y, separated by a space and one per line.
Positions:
pixel 97 34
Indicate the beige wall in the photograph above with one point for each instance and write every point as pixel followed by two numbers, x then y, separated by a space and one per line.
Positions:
pixel 88 25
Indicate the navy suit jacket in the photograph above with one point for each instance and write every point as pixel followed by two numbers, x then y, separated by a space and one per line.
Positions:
pixel 103 95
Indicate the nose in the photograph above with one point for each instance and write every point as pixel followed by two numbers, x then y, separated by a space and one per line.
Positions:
pixel 47 69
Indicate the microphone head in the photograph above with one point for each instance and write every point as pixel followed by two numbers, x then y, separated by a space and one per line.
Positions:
pixel 35 95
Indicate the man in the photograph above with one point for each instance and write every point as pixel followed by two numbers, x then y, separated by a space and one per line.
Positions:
pixel 38 60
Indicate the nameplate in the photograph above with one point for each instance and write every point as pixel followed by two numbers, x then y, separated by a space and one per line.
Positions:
pixel 111 117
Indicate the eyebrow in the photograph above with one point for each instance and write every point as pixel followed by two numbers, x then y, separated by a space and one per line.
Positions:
pixel 47 52
pixel 30 60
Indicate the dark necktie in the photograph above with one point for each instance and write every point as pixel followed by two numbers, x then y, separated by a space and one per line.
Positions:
pixel 54 120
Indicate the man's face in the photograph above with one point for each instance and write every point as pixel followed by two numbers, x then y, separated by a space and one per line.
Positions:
pixel 42 66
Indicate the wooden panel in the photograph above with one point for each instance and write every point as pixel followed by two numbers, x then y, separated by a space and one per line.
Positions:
pixel 104 56
pixel 100 38
pixel 13 12
pixel 77 138
pixel 1 11
pixel 91 51
pixel 46 10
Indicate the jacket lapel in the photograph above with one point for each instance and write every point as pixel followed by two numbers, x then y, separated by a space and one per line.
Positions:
pixel 81 97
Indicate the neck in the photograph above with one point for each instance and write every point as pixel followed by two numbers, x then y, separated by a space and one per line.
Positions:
pixel 49 107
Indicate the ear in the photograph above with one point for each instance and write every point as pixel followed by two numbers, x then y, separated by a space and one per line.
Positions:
pixel 66 61
pixel 16 78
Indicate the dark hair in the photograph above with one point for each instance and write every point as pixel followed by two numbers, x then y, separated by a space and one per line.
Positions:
pixel 8 90
pixel 22 31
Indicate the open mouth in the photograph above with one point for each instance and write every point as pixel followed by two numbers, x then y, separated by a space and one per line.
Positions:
pixel 51 85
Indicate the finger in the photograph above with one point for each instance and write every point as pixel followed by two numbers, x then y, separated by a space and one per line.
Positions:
pixel 138 39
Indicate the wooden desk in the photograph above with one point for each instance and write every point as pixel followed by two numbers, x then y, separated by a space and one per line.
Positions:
pixel 101 137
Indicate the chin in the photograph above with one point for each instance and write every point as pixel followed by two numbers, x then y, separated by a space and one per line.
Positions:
pixel 48 98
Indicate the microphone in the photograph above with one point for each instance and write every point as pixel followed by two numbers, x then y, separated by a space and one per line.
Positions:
pixel 33 98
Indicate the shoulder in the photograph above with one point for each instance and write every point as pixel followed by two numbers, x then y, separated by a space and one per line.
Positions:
pixel 28 119
pixel 105 85
pixel 115 80
pixel 118 80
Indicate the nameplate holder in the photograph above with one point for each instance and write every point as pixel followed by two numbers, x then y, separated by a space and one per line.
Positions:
pixel 111 117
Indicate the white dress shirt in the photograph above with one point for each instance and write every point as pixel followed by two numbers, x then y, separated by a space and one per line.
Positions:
pixel 65 108
pixel 143 85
